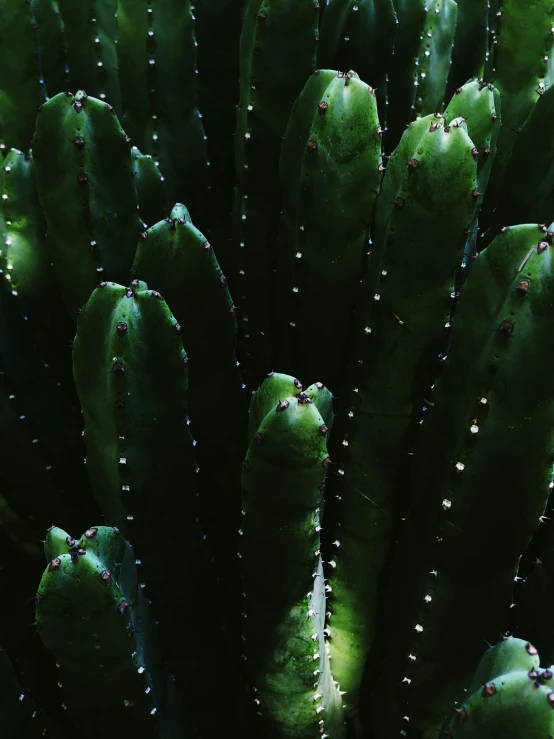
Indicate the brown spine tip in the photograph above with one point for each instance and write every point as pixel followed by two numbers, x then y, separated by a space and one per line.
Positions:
pixel 156 295
pixel 550 699
pixel 323 107
pixel 246 466
pixel 323 429
pixel 207 247
pixel 523 286
pixel 475 153
pixel 118 369
pixel 399 203
pixel 542 247
pixel 178 328
pixel 78 106
pixel 475 193
pixel 91 533
pixel 38 600
pixel 129 293
pixel 412 165
pixel 54 564
pixel 262 15
pixel 462 715
pixel 297 384
pixel 530 649
pixel 122 607
pixel 488 690
pixel 282 405
pixel 258 438
pixel 70 541
pixel 507 327
pixel 547 675
pixel 311 146
pixel 326 462
pixel 82 177
pixel 106 577
pixel 119 404
pixel 319 385
pixel 79 142
pixel 121 328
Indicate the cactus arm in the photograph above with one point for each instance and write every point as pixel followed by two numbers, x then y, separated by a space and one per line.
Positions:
pixel 284 30
pixel 330 176
pixel 283 476
pixel 403 334
pixel 106 625
pixel 83 160
pixel 175 257
pixel 125 391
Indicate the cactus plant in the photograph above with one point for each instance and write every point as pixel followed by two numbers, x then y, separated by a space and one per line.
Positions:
pixel 204 207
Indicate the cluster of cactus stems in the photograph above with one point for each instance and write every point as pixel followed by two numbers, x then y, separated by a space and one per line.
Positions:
pixel 201 203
